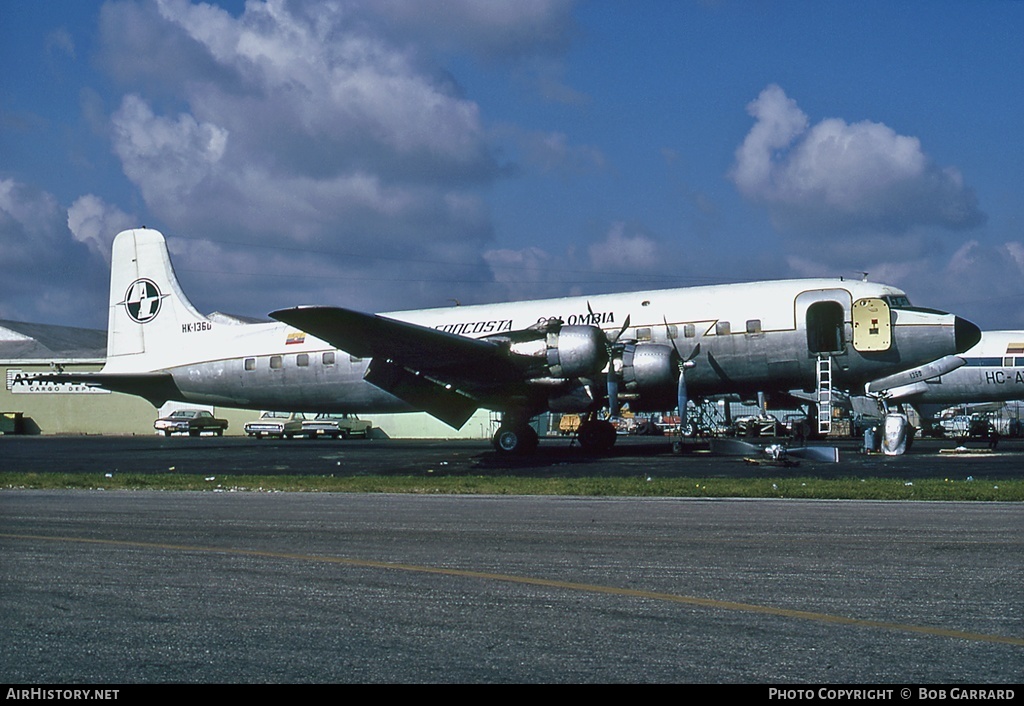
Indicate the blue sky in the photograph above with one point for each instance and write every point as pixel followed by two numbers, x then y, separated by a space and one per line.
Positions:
pixel 391 154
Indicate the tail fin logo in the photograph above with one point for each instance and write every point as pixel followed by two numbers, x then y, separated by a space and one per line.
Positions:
pixel 142 300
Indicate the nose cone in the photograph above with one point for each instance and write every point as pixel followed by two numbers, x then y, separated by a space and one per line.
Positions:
pixel 967 334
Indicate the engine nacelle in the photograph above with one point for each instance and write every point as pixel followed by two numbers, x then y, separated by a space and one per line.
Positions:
pixel 650 372
pixel 576 351
pixel 568 352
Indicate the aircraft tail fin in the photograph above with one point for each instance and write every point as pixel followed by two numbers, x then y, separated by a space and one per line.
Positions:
pixel 148 309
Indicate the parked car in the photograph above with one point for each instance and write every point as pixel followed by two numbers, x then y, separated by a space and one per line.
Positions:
pixel 336 425
pixel 645 426
pixel 757 425
pixel 280 424
pixel 190 421
pixel 957 427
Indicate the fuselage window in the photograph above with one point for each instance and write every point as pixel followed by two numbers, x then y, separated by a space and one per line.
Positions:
pixel 302 360
pixel 689 330
pixel 673 331
pixel 276 362
pixel 643 334
pixel 754 326
pixel 328 358
pixel 250 363
pixel 722 328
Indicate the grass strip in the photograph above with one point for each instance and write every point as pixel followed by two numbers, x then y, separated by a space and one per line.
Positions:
pixel 808 488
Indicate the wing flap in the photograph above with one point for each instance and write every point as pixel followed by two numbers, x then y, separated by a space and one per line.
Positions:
pixel 451 407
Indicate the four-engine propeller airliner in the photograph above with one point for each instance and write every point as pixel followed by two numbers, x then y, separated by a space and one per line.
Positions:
pixel 652 349
pixel 991 371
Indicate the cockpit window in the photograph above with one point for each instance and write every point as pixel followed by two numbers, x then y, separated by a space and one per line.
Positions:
pixel 898 301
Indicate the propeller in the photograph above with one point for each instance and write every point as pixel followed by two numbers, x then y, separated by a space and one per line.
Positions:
pixel 614 373
pixel 684 362
pixel 614 369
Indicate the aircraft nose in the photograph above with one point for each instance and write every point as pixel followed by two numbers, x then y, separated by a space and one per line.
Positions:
pixel 967 334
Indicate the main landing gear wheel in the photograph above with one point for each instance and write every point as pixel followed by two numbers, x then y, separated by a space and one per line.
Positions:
pixel 596 436
pixel 515 439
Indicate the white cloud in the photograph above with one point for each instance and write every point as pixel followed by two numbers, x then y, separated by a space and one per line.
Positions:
pixel 979 281
pixel 623 251
pixel 1016 253
pixel 31 218
pixel 95 223
pixel 45 275
pixel 166 158
pixel 297 125
pixel 528 273
pixel 983 283
pixel 835 178
pixel 320 132
pixel 311 73
pixel 295 115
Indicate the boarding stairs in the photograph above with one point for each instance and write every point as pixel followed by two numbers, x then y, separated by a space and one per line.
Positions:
pixel 824 388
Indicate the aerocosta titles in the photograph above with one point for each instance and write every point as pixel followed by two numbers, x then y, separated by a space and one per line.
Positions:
pixel 480 328
pixel 476 328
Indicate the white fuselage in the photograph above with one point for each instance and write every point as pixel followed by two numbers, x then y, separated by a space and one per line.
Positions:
pixel 993 371
pixel 753 337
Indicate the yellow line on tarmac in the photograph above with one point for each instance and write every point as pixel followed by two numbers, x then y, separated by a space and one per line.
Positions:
pixel 550 583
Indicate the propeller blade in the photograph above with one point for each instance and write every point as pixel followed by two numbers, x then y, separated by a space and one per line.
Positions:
pixel 613 394
pixel 670 337
pixel 682 398
pixel 614 372
pixel 622 330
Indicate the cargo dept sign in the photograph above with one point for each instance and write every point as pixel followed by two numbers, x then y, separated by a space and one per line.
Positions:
pixel 21 383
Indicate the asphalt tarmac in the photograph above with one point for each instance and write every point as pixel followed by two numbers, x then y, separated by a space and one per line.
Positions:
pixel 144 587
pixel 555 457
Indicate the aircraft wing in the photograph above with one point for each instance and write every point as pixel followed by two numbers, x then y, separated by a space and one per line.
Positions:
pixel 442 373
pixel 417 347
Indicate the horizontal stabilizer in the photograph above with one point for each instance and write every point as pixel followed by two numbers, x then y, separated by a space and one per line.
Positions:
pixel 155 388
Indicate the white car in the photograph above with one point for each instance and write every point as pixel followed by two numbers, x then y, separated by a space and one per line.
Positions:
pixel 336 425
pixel 280 424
